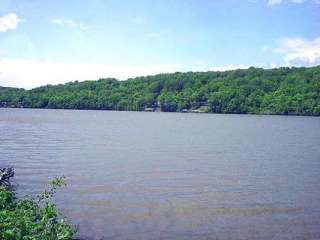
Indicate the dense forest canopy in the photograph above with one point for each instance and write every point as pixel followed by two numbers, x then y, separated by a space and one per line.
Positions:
pixel 254 90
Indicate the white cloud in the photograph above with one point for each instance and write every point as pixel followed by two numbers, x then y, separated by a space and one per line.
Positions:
pixel 229 67
pixel 275 2
pixel 8 22
pixel 299 51
pixel 70 23
pixel 34 73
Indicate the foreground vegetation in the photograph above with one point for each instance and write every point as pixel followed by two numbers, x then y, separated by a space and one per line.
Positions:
pixel 29 219
pixel 254 90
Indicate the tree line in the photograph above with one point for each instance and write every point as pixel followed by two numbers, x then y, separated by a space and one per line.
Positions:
pixel 285 91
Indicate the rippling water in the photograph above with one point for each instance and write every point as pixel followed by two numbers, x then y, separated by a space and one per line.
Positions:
pixel 171 176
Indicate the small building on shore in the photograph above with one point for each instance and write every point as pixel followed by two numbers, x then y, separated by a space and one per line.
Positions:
pixel 150 109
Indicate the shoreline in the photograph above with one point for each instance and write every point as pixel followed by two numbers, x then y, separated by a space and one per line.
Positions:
pixel 179 112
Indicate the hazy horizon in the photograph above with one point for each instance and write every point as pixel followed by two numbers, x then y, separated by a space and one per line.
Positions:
pixel 150 75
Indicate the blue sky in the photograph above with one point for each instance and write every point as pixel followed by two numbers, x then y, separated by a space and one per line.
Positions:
pixel 57 41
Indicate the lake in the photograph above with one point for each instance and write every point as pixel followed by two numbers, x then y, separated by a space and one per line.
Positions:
pixel 136 175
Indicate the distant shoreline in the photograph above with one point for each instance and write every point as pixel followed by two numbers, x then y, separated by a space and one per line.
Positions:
pixel 281 91
pixel 208 113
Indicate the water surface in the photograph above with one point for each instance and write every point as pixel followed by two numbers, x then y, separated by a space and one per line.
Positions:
pixel 134 175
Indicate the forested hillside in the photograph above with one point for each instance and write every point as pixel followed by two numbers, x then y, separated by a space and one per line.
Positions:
pixel 254 90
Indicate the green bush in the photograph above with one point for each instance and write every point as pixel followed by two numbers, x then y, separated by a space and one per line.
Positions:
pixel 29 219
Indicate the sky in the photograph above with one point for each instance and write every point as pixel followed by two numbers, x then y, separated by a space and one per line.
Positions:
pixel 49 42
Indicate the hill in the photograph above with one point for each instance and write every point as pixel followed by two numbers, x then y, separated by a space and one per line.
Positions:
pixel 285 91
